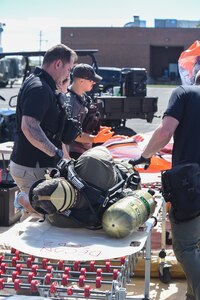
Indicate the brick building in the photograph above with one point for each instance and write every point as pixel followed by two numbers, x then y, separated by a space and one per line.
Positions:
pixel 156 49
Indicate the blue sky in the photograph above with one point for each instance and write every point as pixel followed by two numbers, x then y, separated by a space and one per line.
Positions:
pixel 26 19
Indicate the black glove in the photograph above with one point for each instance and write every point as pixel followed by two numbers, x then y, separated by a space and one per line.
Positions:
pixel 141 160
pixel 59 154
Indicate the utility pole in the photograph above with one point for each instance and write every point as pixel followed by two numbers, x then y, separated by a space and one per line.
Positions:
pixel 1 30
pixel 41 40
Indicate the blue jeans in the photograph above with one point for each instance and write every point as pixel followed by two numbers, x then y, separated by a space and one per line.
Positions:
pixel 186 246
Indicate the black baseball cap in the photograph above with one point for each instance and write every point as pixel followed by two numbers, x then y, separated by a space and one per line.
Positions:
pixel 86 71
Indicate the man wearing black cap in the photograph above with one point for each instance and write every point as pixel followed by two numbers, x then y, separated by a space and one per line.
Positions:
pixel 84 78
pixel 85 71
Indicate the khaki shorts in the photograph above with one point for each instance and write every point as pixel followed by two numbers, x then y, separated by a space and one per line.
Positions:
pixel 25 177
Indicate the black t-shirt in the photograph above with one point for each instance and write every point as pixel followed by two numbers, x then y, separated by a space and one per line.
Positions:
pixel 37 99
pixel 184 105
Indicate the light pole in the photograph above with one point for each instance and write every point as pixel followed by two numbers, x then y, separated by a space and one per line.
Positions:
pixel 1 30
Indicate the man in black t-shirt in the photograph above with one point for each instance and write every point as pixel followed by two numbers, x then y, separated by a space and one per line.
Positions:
pixel 181 121
pixel 37 114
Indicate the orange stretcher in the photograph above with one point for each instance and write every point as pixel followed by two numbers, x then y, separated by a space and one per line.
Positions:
pixel 125 148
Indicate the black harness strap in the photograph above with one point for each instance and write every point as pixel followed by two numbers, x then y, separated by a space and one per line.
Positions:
pixel 93 195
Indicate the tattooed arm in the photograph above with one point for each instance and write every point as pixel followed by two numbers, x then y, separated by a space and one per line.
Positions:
pixel 36 136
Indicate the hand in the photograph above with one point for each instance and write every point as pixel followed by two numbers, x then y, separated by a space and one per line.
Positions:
pixel 138 138
pixel 102 136
pixel 105 127
pixel 141 160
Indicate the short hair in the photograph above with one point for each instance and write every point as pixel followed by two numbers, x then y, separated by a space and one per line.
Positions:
pixel 61 52
pixel 197 78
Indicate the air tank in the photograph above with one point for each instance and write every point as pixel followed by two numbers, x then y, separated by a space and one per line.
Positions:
pixel 127 214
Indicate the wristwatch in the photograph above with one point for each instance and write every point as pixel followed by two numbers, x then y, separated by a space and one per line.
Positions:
pixel 59 154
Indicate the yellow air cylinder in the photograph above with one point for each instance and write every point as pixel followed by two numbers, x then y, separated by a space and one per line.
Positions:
pixel 127 214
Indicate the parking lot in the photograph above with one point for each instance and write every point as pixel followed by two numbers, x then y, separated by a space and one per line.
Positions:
pixel 139 125
pixel 163 94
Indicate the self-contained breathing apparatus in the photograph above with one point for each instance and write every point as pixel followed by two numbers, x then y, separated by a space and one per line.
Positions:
pixel 69 128
pixel 92 120
pixel 66 194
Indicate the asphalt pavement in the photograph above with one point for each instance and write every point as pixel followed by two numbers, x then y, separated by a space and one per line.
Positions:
pixel 163 93
pixel 138 125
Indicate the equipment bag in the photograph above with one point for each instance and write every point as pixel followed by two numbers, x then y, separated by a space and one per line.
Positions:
pixel 181 187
